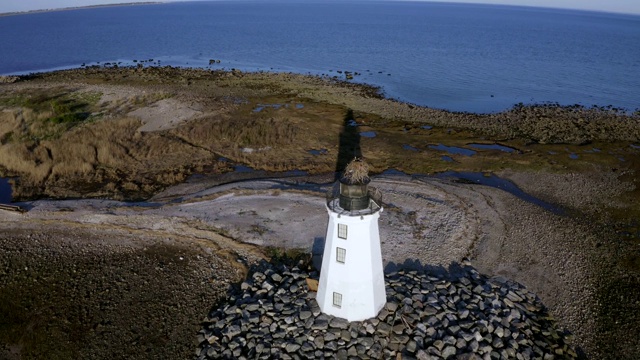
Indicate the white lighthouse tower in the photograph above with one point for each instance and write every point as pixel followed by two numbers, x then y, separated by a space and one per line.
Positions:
pixel 351 284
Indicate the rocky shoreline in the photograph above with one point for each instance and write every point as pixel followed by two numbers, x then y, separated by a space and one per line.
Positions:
pixel 459 315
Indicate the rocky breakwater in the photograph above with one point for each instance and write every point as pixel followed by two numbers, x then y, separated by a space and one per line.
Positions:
pixel 274 315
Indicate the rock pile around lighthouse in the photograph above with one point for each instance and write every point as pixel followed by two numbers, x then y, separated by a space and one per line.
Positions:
pixel 273 315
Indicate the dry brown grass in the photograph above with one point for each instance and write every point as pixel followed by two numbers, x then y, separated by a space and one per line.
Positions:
pixel 108 150
pixel 357 172
pixel 240 132
pixel 23 160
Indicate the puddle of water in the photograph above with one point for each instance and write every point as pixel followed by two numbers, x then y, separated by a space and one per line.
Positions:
pixel 637 147
pixel 499 183
pixel 446 158
pixel 243 169
pixel 493 147
pixel 393 172
pixel 552 153
pixel 317 152
pixel 368 134
pixel 261 107
pixel 574 156
pixel 409 147
pixel 594 150
pixel 352 123
pixel 299 106
pixel 453 150
pixel 144 204
pixel 296 173
pixel 426 127
pixel 622 159
pixel 5 191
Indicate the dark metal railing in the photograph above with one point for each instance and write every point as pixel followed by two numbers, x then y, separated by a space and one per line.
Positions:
pixel 376 196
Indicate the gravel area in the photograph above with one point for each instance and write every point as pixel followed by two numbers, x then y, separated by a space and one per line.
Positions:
pixel 426 223
pixel 569 189
pixel 74 293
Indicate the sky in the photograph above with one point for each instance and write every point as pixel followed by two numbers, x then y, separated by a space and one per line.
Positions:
pixel 618 6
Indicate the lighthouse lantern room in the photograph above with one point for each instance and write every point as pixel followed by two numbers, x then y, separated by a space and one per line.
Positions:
pixel 351 284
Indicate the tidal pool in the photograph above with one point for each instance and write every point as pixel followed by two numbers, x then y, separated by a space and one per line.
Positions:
pixel 453 150
pixel 261 107
pixel 317 152
pixel 499 183
pixel 393 172
pixel 493 147
pixel 243 169
pixel 486 180
pixel 5 191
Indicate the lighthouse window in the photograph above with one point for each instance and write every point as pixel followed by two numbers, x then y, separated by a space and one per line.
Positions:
pixel 342 231
pixel 341 254
pixel 337 299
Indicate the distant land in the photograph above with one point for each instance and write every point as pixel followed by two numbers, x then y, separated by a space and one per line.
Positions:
pixel 80 7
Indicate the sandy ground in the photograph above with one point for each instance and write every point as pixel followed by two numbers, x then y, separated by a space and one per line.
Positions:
pixel 164 114
pixel 426 223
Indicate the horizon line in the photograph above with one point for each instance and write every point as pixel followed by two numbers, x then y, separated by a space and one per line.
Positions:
pixel 456 2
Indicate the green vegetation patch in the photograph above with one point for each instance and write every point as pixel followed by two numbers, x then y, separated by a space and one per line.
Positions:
pixel 41 115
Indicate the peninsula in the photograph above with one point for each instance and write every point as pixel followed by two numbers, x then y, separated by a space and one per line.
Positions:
pixel 149 191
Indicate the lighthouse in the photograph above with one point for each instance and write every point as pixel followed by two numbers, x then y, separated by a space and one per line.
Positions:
pixel 351 284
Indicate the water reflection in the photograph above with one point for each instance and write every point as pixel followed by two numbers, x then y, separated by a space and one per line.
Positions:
pixel 453 150
pixel 502 184
pixel 317 152
pixel 368 134
pixel 493 147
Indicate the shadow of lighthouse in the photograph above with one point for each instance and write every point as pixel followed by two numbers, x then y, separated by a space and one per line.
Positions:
pixel 348 144
pixel 348 149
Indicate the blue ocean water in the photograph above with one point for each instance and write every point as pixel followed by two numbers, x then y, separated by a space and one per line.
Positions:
pixel 462 57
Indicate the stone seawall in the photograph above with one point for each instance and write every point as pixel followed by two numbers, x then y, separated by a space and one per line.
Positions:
pixel 459 315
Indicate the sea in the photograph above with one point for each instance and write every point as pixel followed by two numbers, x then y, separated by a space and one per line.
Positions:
pixel 459 57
